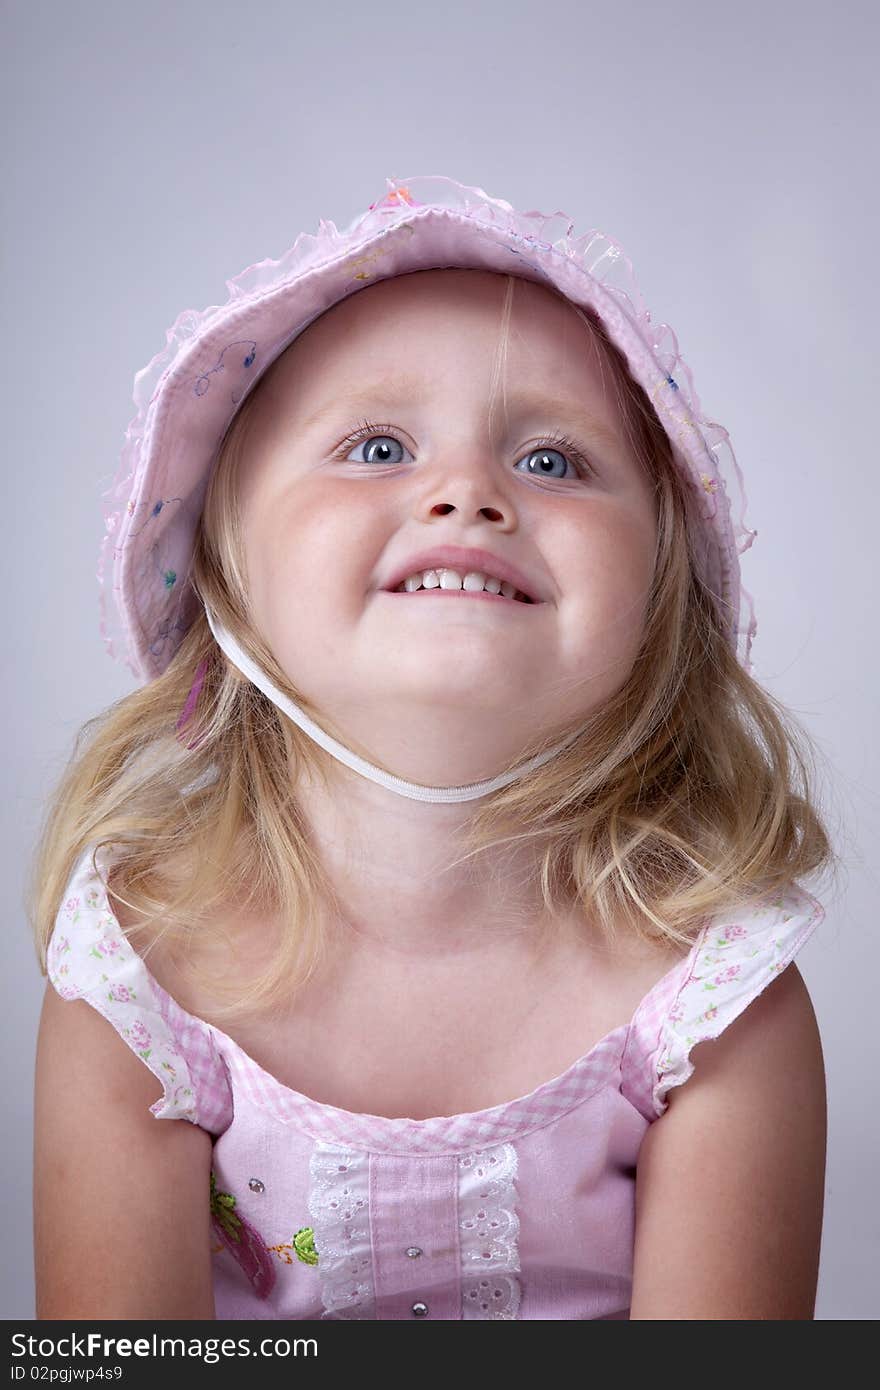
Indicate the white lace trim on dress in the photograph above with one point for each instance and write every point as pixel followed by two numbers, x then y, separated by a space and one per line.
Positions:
pixel 489 1228
pixel 488 1231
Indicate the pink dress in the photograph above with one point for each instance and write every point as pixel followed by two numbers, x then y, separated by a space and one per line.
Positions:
pixel 524 1210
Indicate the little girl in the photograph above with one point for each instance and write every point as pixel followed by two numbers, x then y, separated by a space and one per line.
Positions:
pixel 412 908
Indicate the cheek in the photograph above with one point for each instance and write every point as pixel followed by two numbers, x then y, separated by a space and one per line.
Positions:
pixel 605 571
pixel 308 552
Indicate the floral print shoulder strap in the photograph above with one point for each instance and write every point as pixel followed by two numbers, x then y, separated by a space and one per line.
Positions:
pixel 89 957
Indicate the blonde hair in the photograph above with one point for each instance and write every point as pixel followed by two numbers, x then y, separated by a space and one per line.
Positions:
pixel 688 791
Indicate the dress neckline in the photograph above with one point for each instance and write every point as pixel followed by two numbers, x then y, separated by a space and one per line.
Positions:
pixel 546 1102
pixel 596 1069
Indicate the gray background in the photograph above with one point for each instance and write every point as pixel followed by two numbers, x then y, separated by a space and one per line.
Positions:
pixel 152 152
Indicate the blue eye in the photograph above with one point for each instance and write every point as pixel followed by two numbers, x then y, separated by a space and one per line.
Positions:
pixel 379 441
pixel 382 454
pixel 542 454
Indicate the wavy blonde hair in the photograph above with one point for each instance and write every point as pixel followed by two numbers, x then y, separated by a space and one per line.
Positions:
pixel 688 791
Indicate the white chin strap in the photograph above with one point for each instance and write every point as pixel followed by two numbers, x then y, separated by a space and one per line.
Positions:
pixel 242 661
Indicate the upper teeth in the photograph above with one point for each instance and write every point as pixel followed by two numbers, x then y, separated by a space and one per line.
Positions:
pixel 451 579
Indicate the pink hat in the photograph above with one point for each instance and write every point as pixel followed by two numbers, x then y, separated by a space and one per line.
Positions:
pixel 188 394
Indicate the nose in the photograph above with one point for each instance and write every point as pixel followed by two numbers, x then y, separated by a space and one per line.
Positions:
pixel 469 487
pixel 444 508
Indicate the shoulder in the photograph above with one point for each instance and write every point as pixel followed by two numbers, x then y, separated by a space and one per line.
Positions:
pixel 90 958
pixel 233 944
pixel 730 1178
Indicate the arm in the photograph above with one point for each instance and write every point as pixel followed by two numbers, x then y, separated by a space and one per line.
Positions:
pixel 731 1177
pixel 121 1199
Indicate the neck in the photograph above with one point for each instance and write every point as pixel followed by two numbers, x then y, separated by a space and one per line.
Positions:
pixel 411 790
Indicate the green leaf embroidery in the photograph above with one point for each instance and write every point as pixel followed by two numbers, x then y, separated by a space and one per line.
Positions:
pixel 222 1204
pixel 304 1245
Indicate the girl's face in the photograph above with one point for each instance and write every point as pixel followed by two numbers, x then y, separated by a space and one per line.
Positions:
pixel 445 689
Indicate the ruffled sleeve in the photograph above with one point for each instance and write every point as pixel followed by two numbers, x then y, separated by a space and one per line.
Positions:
pixel 89 957
pixel 732 961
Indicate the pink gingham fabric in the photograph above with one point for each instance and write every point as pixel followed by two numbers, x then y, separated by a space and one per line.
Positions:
pixel 523 1210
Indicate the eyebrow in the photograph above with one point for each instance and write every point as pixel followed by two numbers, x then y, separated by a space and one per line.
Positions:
pixel 518 403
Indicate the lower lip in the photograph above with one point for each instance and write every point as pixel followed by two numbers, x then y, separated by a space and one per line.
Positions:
pixel 480 595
